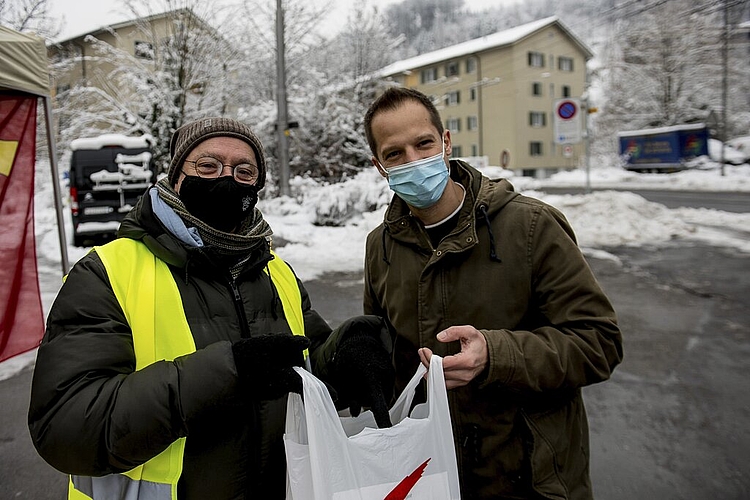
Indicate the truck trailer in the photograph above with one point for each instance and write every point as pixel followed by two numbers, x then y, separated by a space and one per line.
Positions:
pixel 664 149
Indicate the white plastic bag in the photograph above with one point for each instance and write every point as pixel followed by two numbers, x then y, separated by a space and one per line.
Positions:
pixel 349 458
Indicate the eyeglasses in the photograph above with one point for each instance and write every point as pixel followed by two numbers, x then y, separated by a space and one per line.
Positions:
pixel 211 168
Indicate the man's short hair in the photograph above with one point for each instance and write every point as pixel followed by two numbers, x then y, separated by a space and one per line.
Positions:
pixel 392 99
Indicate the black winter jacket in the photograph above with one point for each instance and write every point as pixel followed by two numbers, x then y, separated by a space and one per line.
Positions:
pixel 92 414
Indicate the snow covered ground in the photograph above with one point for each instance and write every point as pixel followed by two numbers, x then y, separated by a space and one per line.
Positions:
pixel 600 219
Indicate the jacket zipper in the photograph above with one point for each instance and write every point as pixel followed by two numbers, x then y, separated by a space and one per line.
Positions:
pixel 244 330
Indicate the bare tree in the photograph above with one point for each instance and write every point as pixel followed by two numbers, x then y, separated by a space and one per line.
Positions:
pixel 31 16
pixel 668 57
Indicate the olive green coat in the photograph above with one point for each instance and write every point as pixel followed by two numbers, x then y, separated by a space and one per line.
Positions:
pixel 521 431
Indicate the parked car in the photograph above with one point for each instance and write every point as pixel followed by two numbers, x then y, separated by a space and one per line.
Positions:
pixel 107 175
pixel 732 155
pixel 741 144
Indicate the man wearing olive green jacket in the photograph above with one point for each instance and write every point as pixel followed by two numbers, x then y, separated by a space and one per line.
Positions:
pixel 494 282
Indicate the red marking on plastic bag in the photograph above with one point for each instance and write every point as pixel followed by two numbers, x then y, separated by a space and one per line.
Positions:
pixel 405 486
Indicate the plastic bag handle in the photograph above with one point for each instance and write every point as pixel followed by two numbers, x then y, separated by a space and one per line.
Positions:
pixel 400 409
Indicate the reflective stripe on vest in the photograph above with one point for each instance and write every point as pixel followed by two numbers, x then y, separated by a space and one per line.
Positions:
pixel 291 299
pixel 143 285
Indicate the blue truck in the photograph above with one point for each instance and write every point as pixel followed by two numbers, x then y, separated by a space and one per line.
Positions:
pixel 664 149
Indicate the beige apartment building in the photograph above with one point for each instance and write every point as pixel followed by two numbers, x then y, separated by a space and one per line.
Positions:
pixel 76 62
pixel 498 95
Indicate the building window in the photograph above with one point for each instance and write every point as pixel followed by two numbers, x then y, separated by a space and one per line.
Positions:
pixel 473 94
pixel 66 52
pixel 429 75
pixel 453 124
pixel 452 98
pixel 536 88
pixel 61 90
pixel 535 148
pixel 537 119
pixel 456 152
pixel 471 65
pixel 143 50
pixel 565 63
pixel 565 89
pixel 536 59
pixel 451 69
pixel 70 52
pixel 474 150
pixel 472 123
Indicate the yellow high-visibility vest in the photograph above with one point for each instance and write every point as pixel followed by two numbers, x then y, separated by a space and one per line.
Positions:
pixel 143 285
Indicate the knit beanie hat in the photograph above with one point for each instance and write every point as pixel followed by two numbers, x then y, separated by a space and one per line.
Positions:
pixel 187 137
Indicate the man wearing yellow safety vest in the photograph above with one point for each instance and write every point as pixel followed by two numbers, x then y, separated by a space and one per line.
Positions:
pixel 168 355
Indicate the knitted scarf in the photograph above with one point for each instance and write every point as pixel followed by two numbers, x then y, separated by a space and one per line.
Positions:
pixel 253 232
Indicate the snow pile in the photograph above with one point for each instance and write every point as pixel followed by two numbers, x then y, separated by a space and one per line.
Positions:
pixel 609 218
pixel 735 178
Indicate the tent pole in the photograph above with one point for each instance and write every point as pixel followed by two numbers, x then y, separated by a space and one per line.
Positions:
pixel 56 186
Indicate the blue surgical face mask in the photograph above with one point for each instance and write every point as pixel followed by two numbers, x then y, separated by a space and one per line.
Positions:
pixel 420 183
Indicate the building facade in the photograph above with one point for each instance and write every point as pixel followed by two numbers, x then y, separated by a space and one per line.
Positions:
pixel 498 94
pixel 155 43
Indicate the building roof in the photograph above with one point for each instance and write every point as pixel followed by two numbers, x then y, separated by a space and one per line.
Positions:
pixel 477 45
pixel 114 26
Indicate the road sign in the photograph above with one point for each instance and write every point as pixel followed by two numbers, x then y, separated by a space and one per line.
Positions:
pixel 567 121
pixel 567 150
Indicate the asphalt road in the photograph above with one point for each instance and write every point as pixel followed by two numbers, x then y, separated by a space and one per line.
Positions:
pixel 672 423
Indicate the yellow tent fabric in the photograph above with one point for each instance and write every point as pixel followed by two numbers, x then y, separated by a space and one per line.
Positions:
pixel 24 63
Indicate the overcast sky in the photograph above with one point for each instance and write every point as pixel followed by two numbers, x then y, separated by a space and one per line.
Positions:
pixel 82 16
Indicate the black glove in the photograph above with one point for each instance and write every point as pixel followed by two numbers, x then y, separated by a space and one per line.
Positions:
pixel 264 364
pixel 364 373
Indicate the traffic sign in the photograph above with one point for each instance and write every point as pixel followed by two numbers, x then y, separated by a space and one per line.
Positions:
pixel 567 121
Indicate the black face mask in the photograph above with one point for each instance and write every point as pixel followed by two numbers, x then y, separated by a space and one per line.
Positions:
pixel 221 203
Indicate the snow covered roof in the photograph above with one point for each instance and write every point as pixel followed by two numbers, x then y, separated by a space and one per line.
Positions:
pixel 495 40
pixel 662 130
pixel 118 21
pixel 110 22
pixel 111 140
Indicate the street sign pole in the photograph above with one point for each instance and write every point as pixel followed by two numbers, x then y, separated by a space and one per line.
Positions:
pixel 587 144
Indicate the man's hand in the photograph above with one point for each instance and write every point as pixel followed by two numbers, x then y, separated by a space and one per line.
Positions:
pixel 461 368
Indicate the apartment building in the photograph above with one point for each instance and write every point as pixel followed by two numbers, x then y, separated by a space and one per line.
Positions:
pixel 497 94
pixel 75 61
